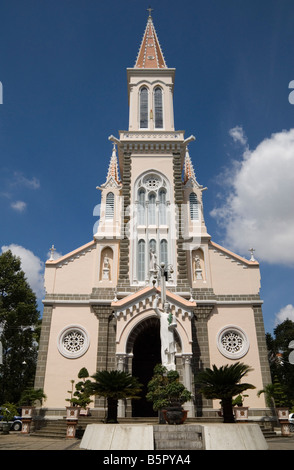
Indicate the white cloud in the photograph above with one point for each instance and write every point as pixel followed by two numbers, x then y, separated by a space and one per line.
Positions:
pixel 238 135
pixel 19 206
pixel 20 180
pixel 258 209
pixel 286 313
pixel 31 265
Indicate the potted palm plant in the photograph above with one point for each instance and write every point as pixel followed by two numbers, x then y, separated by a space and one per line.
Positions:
pixel 28 400
pixel 168 395
pixel 224 383
pixel 115 385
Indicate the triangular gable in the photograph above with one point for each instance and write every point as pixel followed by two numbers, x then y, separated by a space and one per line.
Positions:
pixel 132 300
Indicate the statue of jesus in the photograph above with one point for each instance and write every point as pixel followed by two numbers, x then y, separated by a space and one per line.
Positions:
pixel 167 326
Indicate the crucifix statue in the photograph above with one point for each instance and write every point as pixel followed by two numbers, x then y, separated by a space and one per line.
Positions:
pixel 150 10
pixel 168 324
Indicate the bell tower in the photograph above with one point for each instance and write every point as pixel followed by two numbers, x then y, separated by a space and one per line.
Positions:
pixel 151 157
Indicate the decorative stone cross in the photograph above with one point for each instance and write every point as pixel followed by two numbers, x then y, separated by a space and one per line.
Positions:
pixel 252 256
pixel 52 249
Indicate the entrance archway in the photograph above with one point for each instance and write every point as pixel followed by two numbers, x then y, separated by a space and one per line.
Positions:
pixel 144 343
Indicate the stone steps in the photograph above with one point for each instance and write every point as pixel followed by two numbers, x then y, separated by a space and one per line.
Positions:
pixel 187 436
pixel 177 437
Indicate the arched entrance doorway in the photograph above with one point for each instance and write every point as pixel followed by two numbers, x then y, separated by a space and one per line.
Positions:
pixel 144 343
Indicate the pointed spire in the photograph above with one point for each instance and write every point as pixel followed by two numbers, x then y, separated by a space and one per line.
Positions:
pixel 188 168
pixel 150 55
pixel 112 175
pixel 113 167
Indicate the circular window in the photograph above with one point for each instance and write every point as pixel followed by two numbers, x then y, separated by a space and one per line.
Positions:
pixel 232 342
pixel 73 341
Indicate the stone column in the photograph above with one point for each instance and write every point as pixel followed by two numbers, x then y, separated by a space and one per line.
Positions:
pixel 106 343
pixel 124 265
pixel 262 347
pixel 182 279
pixel 201 356
pixel 121 365
pixel 43 346
pixel 187 381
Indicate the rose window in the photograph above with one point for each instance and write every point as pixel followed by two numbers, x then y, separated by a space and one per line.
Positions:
pixel 73 342
pixel 232 342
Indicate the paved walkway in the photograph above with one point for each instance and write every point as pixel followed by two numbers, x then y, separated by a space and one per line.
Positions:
pixel 18 441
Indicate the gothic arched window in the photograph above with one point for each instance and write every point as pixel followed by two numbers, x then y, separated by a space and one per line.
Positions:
pixel 162 207
pixel 151 209
pixel 109 212
pixel 158 109
pixel 193 206
pixel 163 252
pixel 141 207
pixel 141 260
pixel 144 108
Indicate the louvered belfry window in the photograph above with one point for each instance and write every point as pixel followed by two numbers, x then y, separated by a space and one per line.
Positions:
pixel 193 206
pixel 109 213
pixel 158 108
pixel 144 108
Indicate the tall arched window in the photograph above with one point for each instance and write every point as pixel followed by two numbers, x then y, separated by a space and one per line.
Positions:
pixel 162 207
pixel 109 211
pixel 158 108
pixel 193 206
pixel 141 260
pixel 163 252
pixel 151 209
pixel 141 207
pixel 144 108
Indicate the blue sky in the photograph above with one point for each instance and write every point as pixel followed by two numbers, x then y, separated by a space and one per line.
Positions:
pixel 63 73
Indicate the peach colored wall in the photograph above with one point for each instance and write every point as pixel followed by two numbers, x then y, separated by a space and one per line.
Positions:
pixel 59 369
pixel 75 277
pixel 82 273
pixel 242 317
pixel 229 277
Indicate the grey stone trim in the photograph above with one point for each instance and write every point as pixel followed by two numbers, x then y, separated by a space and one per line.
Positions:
pixel 125 242
pixel 178 195
pixel 106 348
pixel 200 349
pixel 262 347
pixel 43 347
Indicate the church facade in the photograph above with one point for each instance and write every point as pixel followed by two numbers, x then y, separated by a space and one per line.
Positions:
pixel 150 244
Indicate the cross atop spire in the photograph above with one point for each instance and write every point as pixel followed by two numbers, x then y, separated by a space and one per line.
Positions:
pixel 150 55
pixel 150 10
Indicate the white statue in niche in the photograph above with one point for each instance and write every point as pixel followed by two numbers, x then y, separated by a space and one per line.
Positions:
pixel 168 324
pixel 153 260
pixel 106 268
pixel 198 269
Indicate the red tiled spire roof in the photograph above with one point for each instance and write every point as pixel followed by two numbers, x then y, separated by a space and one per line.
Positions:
pixel 188 167
pixel 150 55
pixel 113 167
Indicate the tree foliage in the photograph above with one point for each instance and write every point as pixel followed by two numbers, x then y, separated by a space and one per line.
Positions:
pixel 224 383
pixel 165 389
pixel 282 371
pixel 19 329
pixel 115 385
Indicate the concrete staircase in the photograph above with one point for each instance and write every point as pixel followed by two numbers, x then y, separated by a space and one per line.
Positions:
pixel 180 437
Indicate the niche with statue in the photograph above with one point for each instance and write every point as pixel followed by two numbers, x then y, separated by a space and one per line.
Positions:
pixel 106 262
pixel 198 266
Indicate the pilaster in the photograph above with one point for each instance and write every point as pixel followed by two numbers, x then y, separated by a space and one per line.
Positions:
pixel 124 261
pixel 43 346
